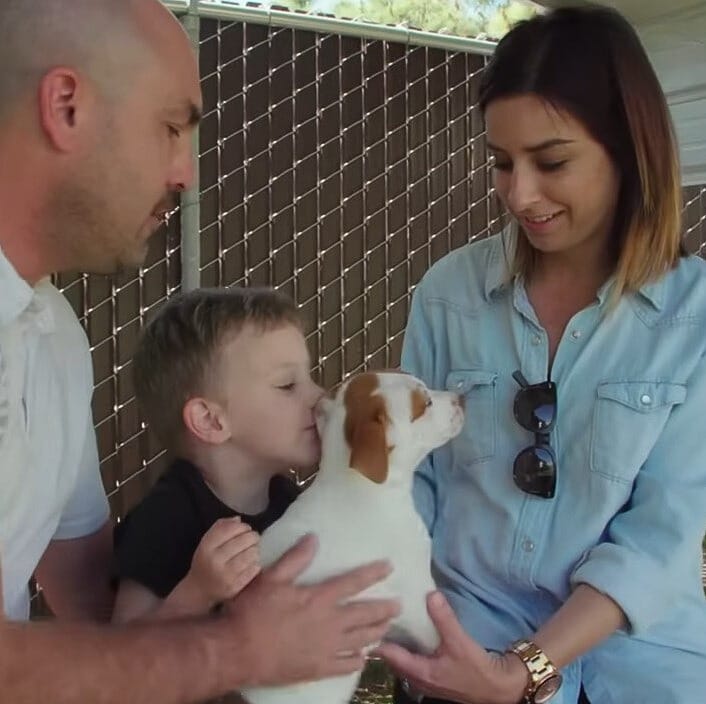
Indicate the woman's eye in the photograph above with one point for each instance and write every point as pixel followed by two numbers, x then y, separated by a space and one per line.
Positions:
pixel 174 131
pixel 501 165
pixel 551 165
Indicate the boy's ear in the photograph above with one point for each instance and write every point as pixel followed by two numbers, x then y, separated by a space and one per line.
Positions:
pixel 206 421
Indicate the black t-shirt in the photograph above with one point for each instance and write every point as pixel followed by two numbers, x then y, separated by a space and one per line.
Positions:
pixel 156 541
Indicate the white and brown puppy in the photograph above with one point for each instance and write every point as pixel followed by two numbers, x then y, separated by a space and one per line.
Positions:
pixel 374 433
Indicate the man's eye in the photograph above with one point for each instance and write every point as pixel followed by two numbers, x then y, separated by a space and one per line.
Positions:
pixel 501 165
pixel 174 131
pixel 287 387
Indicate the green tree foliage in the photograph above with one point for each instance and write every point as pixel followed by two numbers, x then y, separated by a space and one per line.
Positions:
pixel 469 18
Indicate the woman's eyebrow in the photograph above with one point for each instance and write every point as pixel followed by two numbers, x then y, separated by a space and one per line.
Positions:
pixel 547 144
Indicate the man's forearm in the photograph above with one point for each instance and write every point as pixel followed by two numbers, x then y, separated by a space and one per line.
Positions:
pixel 141 663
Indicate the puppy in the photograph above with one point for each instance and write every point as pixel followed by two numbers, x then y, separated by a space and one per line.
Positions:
pixel 374 433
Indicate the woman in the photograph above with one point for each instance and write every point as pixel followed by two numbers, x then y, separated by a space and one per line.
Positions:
pixel 567 517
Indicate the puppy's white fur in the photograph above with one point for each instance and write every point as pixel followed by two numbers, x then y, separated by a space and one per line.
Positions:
pixel 374 433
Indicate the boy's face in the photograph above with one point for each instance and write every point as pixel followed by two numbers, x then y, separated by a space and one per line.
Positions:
pixel 263 379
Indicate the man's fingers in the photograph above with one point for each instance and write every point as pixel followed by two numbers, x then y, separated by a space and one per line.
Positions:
pixel 366 637
pixel 350 583
pixel 294 561
pixel 415 667
pixel 345 665
pixel 368 612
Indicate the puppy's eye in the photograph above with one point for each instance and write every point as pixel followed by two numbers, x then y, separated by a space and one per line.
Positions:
pixel 429 402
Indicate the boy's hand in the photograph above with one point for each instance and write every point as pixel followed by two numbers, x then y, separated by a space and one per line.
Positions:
pixel 225 562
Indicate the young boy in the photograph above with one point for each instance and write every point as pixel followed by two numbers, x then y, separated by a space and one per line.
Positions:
pixel 223 378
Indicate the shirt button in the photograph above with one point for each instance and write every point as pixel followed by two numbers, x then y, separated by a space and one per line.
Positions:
pixel 527 545
pixel 645 399
pixel 536 339
pixel 576 334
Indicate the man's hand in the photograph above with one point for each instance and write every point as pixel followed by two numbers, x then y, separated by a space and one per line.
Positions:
pixel 225 562
pixel 297 633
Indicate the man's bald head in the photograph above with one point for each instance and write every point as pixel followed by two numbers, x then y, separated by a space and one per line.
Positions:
pixel 106 40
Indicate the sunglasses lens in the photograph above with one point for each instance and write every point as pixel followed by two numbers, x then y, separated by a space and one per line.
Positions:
pixel 535 471
pixel 535 407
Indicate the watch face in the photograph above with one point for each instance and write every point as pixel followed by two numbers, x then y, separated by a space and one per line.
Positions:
pixel 547 689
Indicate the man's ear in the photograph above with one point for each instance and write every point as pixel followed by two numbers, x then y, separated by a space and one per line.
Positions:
pixel 206 421
pixel 61 93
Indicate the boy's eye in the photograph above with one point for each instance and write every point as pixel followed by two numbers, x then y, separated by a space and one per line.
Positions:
pixel 501 165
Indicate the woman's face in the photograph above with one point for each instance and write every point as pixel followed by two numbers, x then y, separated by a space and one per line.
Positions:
pixel 553 177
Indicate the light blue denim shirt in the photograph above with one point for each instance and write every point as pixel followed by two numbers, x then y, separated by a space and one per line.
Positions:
pixel 630 507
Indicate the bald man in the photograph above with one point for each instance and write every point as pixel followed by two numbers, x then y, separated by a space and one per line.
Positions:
pixel 98 99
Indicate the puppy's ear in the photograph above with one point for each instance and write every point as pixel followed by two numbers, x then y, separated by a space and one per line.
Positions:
pixel 366 429
pixel 369 451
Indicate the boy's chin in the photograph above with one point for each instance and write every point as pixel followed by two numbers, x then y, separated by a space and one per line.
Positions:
pixel 307 469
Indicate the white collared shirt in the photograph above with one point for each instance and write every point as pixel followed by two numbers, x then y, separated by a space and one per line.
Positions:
pixel 50 484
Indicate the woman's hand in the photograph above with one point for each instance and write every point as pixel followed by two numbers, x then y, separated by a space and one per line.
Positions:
pixel 460 670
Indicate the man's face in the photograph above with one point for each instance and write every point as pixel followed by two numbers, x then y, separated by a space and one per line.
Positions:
pixel 139 157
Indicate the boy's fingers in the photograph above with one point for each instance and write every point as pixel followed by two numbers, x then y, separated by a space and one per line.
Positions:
pixel 243 560
pixel 223 529
pixel 238 544
pixel 244 578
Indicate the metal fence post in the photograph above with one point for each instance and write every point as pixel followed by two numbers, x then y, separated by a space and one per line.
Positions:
pixel 190 211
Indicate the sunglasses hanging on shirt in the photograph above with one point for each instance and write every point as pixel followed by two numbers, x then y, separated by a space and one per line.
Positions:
pixel 535 409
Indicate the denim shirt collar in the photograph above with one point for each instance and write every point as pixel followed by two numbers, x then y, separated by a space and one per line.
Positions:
pixel 498 279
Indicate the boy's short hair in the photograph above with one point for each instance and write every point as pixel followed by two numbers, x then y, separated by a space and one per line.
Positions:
pixel 179 347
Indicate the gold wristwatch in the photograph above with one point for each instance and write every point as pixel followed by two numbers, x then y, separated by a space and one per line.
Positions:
pixel 544 678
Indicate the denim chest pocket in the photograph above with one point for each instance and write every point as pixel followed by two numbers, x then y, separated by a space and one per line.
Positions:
pixel 628 417
pixel 476 441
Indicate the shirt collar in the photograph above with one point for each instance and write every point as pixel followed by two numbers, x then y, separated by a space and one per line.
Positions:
pixel 20 300
pixel 497 276
pixel 16 295
pixel 652 293
pixel 497 270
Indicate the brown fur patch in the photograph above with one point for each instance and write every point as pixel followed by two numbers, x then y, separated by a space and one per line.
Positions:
pixel 419 403
pixel 365 427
